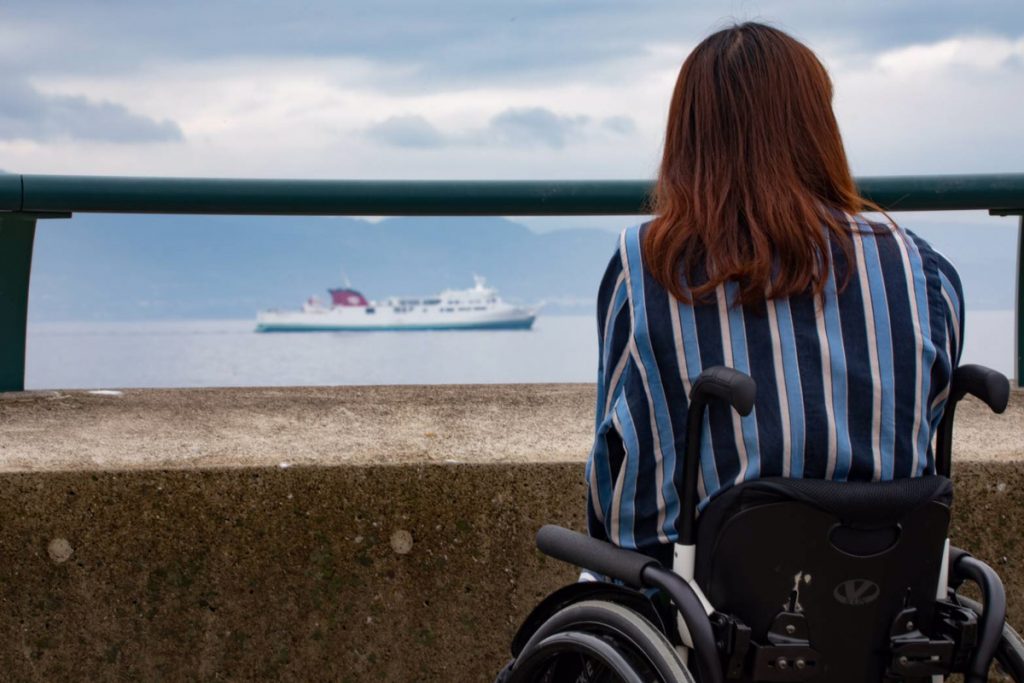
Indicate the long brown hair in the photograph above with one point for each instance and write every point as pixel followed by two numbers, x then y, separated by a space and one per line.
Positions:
pixel 753 169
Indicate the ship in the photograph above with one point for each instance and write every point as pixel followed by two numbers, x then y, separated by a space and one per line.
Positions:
pixel 478 308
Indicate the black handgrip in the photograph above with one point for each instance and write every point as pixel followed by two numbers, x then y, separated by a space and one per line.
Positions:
pixel 732 386
pixel 590 553
pixel 985 383
pixel 714 383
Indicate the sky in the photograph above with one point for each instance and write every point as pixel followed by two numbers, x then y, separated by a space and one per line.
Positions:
pixel 495 89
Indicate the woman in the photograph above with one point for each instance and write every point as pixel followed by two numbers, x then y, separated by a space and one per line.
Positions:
pixel 758 259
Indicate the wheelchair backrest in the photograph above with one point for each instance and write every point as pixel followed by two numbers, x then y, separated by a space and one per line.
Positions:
pixel 834 563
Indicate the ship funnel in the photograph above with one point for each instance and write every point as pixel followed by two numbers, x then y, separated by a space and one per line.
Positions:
pixel 347 297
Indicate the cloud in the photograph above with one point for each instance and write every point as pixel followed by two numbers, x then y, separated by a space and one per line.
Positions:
pixel 452 43
pixel 406 131
pixel 513 127
pixel 440 91
pixel 535 126
pixel 979 53
pixel 940 107
pixel 27 114
pixel 619 124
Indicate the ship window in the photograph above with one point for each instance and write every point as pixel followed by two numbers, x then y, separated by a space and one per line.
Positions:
pixel 431 302
pixel 371 310
pixel 480 308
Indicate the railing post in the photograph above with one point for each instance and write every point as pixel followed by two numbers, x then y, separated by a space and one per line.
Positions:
pixel 17 235
pixel 1018 366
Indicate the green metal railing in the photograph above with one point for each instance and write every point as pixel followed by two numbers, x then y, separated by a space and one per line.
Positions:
pixel 26 198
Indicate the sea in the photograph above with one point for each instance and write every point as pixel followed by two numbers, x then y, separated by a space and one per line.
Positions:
pixel 229 353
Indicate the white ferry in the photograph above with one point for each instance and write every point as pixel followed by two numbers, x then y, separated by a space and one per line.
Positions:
pixel 479 308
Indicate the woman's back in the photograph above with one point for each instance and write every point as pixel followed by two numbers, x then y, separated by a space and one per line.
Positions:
pixel 756 258
pixel 851 382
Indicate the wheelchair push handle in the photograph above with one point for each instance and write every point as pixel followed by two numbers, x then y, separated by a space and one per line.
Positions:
pixel 724 384
pixel 984 383
pixel 590 553
pixel 715 383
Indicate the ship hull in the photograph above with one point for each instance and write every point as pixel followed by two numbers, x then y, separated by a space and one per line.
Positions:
pixel 326 322
pixel 322 327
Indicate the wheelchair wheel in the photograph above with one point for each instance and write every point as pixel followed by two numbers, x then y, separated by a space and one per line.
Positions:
pixel 1009 664
pixel 598 642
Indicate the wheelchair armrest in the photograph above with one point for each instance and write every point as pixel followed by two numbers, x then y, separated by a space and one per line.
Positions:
pixel 639 571
pixel 984 383
pixel 590 553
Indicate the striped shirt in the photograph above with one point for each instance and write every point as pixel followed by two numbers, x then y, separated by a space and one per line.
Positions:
pixel 850 385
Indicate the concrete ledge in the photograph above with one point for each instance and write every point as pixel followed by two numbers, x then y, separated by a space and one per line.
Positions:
pixel 140 429
pixel 121 567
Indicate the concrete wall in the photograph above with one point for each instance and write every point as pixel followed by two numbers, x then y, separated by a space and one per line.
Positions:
pixel 237 568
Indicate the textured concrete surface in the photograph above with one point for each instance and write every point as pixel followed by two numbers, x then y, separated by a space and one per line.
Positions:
pixel 322 426
pixel 412 573
pixel 155 536
pixel 346 425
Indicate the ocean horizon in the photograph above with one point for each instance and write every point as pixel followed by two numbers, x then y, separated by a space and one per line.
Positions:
pixel 230 353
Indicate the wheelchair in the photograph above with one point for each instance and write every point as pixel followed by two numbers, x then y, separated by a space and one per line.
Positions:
pixel 782 580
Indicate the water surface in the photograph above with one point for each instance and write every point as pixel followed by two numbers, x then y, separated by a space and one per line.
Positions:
pixel 205 353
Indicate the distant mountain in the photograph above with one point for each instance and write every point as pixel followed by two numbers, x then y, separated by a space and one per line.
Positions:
pixel 108 267
pixel 112 267
pixel 984 251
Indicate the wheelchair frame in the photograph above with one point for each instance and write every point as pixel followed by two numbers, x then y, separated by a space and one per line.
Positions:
pixel 971 635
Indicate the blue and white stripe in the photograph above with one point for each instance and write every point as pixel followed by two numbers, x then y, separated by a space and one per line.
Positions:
pixel 851 385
